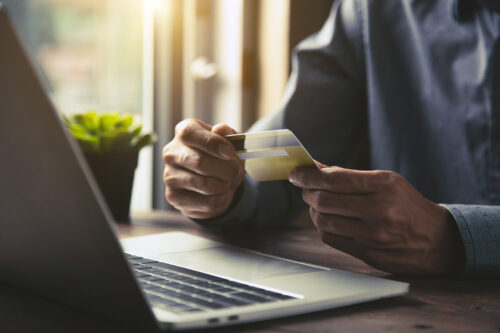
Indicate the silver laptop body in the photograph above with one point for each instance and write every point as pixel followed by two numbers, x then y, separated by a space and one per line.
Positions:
pixel 57 238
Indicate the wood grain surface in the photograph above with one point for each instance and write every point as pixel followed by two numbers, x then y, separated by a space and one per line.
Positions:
pixel 434 304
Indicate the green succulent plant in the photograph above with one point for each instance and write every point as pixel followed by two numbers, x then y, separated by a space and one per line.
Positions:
pixel 98 132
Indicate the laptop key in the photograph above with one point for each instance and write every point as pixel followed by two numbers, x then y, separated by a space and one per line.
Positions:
pixel 187 279
pixel 151 278
pixel 204 293
pixel 182 270
pixel 144 268
pixel 190 289
pixel 193 310
pixel 251 297
pixel 150 287
pixel 203 284
pixel 221 289
pixel 232 301
pixel 176 307
pixel 157 271
pixel 141 275
pixel 205 303
pixel 172 293
pixel 164 301
pixel 171 284
pixel 167 274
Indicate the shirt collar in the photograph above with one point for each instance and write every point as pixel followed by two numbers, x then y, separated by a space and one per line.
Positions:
pixel 463 10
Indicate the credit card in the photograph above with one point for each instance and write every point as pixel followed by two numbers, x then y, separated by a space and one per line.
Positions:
pixel 270 155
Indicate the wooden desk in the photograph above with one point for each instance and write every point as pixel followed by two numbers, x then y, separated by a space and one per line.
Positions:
pixel 434 304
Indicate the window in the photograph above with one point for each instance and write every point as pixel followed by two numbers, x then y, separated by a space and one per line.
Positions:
pixel 94 54
pixel 216 60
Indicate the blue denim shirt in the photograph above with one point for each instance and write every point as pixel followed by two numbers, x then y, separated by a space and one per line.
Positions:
pixel 408 86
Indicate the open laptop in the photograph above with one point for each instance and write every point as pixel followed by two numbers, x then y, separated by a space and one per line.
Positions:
pixel 57 238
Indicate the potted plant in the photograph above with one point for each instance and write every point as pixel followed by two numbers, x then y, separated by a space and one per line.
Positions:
pixel 111 143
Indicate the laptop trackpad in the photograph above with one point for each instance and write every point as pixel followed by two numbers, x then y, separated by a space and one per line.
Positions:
pixel 236 263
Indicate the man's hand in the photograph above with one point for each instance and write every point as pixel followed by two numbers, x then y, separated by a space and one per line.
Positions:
pixel 380 218
pixel 201 171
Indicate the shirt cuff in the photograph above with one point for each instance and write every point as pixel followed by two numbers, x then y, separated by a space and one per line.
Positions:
pixel 240 211
pixel 479 228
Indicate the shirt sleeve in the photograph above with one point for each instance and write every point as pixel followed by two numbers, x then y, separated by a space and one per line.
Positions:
pixel 324 105
pixel 479 228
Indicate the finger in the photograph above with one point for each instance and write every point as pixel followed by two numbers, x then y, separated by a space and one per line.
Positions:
pixel 349 205
pixel 344 244
pixel 196 205
pixel 206 126
pixel 205 164
pixel 320 165
pixel 197 134
pixel 186 179
pixel 338 225
pixel 334 179
pixel 223 129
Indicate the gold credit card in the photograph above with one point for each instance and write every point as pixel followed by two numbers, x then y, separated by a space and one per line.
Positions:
pixel 270 155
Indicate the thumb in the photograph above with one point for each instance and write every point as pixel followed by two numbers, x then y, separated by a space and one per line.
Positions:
pixel 223 129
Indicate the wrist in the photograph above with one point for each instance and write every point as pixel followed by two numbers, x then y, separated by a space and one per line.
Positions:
pixel 449 250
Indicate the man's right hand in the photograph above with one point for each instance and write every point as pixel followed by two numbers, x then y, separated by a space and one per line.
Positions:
pixel 201 173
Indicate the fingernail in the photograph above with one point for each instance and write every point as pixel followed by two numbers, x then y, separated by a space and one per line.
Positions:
pixel 292 177
pixel 226 152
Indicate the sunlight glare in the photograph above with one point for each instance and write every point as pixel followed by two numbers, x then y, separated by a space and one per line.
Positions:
pixel 158 5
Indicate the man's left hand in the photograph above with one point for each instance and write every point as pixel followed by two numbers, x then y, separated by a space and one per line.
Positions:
pixel 382 219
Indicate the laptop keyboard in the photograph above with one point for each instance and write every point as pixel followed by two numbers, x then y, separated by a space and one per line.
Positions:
pixel 183 290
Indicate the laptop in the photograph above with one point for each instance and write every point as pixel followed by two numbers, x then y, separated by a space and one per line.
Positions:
pixel 57 238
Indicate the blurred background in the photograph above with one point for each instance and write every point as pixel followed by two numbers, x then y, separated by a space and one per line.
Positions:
pixel 216 60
